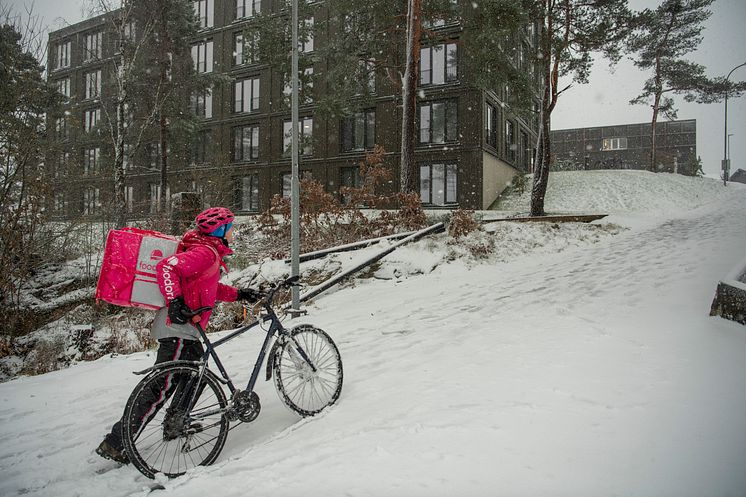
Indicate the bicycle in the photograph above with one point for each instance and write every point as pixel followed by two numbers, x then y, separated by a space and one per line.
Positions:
pixel 187 415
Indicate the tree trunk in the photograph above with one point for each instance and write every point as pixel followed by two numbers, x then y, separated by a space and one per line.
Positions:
pixel 120 207
pixel 163 125
pixel 541 171
pixel 544 150
pixel 409 96
pixel 163 62
pixel 656 107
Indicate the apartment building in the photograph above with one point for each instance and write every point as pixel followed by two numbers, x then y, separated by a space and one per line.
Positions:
pixel 470 142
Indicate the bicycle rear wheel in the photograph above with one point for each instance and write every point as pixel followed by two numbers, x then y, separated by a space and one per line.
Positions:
pixel 162 433
pixel 308 386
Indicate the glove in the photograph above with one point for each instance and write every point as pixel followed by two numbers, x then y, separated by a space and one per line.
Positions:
pixel 178 311
pixel 249 294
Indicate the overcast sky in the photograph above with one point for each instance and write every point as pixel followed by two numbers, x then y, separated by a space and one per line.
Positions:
pixel 604 101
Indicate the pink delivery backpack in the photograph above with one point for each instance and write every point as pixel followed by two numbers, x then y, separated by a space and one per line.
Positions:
pixel 127 275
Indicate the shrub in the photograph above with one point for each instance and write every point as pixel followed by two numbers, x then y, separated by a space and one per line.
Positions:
pixel 462 223
pixel 326 221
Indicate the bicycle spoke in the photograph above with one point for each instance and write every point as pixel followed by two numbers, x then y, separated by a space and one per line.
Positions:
pixel 172 438
pixel 308 373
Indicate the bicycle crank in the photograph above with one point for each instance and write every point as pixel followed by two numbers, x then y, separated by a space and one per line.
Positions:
pixel 246 407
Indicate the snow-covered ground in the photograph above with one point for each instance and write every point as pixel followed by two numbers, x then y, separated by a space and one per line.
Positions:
pixel 576 360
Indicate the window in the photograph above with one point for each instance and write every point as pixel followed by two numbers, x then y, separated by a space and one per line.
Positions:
pixel 440 19
pixel 127 157
pixel 359 131
pixel 305 136
pixel 202 56
pixel 246 143
pixel 92 46
pixel 90 160
pixel 438 64
pixel 250 193
pixel 201 147
pixel 510 146
pixel 202 104
pixel 491 126
pixel 305 89
pixel 531 32
pixel 91 200
pixel 247 8
pixel 155 197
pixel 60 169
pixel 90 119
pixel 246 95
pixel 128 31
pixel 60 203
pixel 438 122
pixel 63 87
pixel 525 151
pixel 153 152
pixel 367 76
pixel 287 181
pixel 287 185
pixel 349 177
pixel 204 10
pixel 438 184
pixel 244 49
pixel 60 127
pixel 92 86
pixel 615 144
pixel 129 198
pixel 519 56
pixel 306 44
pixel 62 55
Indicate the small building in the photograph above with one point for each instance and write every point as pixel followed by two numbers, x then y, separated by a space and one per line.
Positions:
pixel 739 176
pixel 625 146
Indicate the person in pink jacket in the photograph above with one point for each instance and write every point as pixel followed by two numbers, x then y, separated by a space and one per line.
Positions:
pixel 188 280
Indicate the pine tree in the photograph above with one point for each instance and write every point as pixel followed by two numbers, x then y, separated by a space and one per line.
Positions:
pixel 569 31
pixel 24 100
pixel 663 36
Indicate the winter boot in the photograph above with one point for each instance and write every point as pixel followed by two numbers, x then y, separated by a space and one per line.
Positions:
pixel 108 451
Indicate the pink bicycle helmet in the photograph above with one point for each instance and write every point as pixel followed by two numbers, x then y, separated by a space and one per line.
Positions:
pixel 213 218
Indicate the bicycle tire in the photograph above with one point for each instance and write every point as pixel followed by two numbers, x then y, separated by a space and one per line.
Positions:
pixel 164 442
pixel 303 390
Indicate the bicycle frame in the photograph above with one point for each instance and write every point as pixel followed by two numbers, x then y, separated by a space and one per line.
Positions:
pixel 275 327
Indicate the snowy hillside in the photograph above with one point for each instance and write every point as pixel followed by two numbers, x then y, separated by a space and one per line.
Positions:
pixel 573 360
pixel 622 192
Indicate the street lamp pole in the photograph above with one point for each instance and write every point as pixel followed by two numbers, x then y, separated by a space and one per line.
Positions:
pixel 726 162
pixel 295 180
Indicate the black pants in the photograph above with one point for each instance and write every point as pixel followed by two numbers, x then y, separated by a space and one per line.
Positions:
pixel 169 349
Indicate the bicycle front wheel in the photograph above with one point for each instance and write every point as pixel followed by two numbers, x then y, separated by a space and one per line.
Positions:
pixel 308 370
pixel 174 421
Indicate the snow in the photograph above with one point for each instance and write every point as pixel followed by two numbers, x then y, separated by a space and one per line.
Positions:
pixel 574 360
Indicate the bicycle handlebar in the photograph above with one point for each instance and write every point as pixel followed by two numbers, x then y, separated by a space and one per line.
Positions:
pixel 286 283
pixel 266 300
pixel 197 312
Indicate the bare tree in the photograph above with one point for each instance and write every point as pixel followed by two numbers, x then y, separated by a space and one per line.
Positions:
pixel 131 34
